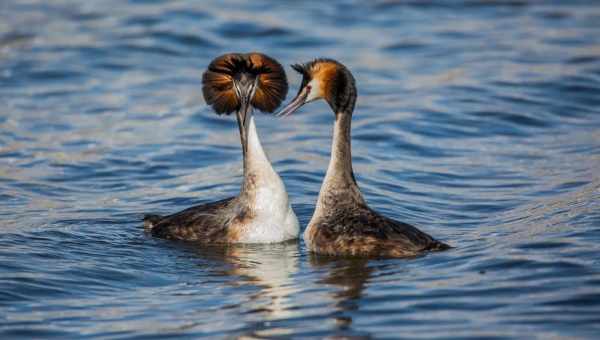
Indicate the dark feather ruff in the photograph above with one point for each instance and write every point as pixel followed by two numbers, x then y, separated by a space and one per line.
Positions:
pixel 218 88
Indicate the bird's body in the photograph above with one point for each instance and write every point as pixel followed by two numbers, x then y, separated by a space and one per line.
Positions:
pixel 343 223
pixel 357 230
pixel 261 213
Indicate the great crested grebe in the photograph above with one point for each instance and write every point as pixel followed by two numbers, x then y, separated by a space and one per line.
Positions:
pixel 343 223
pixel 261 213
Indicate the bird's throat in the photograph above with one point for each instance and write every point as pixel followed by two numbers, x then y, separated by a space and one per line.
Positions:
pixel 339 186
pixel 258 172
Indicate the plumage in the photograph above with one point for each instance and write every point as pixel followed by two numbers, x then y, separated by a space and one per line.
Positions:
pixel 218 82
pixel 261 213
pixel 207 223
pixel 358 231
pixel 343 223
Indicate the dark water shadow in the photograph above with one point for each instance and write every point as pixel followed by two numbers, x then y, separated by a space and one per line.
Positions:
pixel 351 276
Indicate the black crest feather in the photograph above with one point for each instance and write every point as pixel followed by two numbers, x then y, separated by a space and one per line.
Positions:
pixel 300 68
pixel 306 69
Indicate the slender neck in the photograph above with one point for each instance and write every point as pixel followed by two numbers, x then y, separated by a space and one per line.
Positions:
pixel 258 171
pixel 340 163
pixel 342 103
pixel 339 186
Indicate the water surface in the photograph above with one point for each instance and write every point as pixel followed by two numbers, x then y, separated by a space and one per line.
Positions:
pixel 478 121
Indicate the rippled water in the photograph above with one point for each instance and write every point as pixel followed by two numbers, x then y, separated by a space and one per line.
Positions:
pixel 478 121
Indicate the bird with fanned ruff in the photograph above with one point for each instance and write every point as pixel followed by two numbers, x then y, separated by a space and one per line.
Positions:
pixel 261 213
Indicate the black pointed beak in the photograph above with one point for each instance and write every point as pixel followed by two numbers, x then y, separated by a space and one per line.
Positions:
pixel 245 90
pixel 295 104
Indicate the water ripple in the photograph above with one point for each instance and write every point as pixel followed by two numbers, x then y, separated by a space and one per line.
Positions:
pixel 476 121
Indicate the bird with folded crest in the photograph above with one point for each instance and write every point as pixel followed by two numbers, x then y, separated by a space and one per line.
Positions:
pixel 343 223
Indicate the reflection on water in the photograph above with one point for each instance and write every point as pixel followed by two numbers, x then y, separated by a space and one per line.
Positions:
pixel 269 267
pixel 477 121
pixel 350 275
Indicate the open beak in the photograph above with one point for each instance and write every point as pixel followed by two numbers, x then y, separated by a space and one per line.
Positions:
pixel 295 104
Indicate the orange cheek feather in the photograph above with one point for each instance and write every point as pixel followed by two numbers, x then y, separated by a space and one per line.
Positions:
pixel 325 73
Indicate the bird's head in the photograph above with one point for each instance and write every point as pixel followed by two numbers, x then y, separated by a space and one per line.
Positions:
pixel 324 79
pixel 238 82
pixel 236 79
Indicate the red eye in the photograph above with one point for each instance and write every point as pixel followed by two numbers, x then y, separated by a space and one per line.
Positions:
pixel 308 88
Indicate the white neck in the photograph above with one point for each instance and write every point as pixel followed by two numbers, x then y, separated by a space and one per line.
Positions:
pixel 262 184
pixel 264 193
pixel 257 163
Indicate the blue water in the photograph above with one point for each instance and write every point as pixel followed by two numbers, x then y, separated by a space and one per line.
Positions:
pixel 478 121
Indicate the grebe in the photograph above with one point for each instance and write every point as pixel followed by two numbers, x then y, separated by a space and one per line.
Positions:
pixel 343 223
pixel 261 213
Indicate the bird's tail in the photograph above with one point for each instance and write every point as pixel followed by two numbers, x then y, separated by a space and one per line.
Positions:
pixel 438 246
pixel 150 221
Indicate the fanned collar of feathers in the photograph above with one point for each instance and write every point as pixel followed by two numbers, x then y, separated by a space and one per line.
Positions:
pixel 218 82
